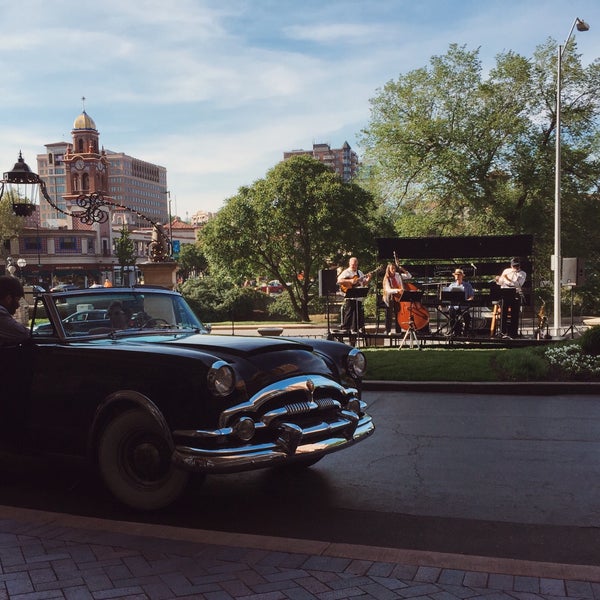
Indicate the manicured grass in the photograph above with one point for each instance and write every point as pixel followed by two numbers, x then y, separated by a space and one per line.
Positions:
pixel 392 364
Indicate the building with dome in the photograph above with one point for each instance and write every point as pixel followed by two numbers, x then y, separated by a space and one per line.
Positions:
pixel 61 248
pixel 82 166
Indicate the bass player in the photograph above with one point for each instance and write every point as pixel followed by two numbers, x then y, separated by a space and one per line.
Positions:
pixel 393 287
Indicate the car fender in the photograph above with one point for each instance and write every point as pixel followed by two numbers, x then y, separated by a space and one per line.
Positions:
pixel 116 403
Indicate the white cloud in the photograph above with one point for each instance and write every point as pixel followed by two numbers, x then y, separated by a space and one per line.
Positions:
pixel 216 91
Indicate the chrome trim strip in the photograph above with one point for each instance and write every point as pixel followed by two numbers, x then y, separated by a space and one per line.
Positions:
pixel 245 458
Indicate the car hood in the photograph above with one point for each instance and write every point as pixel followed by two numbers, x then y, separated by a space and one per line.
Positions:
pixel 239 345
pixel 259 361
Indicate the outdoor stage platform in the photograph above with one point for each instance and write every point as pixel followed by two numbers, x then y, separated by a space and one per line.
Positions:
pixel 478 338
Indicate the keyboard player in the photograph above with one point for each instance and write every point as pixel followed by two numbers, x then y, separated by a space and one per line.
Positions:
pixel 460 317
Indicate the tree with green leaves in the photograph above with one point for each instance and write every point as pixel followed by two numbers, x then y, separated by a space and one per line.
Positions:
pixel 452 150
pixel 297 220
pixel 191 261
pixel 125 251
pixel 10 224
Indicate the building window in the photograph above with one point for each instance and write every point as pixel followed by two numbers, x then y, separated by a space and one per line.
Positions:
pixel 67 243
pixel 32 244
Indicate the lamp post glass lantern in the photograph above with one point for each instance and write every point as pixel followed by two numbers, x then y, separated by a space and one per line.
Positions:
pixel 21 263
pixel 581 25
pixel 23 185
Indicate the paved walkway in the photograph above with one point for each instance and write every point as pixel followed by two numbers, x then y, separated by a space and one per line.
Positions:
pixel 48 555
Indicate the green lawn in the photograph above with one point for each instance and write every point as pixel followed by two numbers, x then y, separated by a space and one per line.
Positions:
pixel 517 364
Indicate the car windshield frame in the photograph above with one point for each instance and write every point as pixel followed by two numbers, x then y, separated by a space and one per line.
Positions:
pixel 130 311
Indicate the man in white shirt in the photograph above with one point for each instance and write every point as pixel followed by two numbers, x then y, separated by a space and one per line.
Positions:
pixel 511 278
pixel 11 331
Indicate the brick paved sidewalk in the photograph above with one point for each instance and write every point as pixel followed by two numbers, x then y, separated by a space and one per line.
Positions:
pixel 48 555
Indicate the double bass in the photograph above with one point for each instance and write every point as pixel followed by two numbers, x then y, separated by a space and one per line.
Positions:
pixel 410 312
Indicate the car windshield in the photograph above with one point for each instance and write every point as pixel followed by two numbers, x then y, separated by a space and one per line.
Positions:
pixel 107 311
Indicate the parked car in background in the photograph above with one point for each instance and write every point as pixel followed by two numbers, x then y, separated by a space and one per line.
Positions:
pixel 273 288
pixel 81 320
pixel 64 287
pixel 149 397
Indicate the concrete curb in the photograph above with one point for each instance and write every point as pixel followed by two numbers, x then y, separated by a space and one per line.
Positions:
pixel 533 388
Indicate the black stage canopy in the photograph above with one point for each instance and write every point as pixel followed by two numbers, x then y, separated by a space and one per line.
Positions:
pixel 486 246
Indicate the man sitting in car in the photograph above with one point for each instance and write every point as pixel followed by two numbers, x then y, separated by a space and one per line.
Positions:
pixel 117 315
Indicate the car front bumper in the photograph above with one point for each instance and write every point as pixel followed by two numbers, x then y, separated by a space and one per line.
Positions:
pixel 327 419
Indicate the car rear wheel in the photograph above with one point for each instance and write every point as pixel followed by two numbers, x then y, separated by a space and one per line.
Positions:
pixel 134 459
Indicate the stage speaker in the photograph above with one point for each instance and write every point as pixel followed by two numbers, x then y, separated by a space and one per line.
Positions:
pixel 573 271
pixel 327 282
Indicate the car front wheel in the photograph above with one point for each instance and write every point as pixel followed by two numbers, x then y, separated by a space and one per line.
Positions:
pixel 134 459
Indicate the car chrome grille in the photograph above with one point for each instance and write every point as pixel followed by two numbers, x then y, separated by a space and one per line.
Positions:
pixel 292 397
pixel 299 407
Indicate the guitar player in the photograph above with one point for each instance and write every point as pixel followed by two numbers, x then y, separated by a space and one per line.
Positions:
pixel 354 314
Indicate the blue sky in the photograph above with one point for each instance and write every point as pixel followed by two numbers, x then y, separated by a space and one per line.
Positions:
pixel 216 91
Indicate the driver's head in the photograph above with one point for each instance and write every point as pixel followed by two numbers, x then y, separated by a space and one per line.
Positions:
pixel 11 292
pixel 118 316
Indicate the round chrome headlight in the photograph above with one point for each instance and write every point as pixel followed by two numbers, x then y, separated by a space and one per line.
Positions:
pixel 221 379
pixel 356 363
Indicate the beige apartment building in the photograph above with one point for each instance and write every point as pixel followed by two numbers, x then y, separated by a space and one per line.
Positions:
pixel 344 161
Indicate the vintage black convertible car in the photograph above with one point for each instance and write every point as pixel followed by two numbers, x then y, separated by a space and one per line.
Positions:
pixel 149 397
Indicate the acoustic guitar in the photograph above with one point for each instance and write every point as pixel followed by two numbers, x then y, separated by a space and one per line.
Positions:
pixel 357 281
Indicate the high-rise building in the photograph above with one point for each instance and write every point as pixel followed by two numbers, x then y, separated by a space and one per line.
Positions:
pixel 51 168
pixel 344 161
pixel 140 186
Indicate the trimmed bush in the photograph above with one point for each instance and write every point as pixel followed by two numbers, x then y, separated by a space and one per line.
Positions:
pixel 523 364
pixel 281 309
pixel 590 341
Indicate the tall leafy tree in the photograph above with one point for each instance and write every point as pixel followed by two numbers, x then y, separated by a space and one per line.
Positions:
pixel 125 251
pixel 300 218
pixel 191 261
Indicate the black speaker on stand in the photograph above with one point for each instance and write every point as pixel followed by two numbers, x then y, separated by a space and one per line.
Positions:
pixel 327 282
pixel 573 274
pixel 327 286
pixel 573 271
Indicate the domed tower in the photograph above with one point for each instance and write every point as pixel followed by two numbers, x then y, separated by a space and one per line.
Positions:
pixel 86 166
pixel 85 135
pixel 86 173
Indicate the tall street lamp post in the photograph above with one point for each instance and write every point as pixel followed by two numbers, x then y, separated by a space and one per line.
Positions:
pixel 581 26
pixel 168 193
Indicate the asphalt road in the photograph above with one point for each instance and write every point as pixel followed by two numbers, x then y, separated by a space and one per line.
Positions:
pixel 492 475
